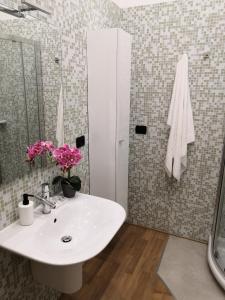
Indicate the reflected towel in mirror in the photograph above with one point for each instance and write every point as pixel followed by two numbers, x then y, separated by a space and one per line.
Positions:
pixel 60 120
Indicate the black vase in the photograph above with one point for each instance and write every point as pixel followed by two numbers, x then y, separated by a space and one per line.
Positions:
pixel 68 190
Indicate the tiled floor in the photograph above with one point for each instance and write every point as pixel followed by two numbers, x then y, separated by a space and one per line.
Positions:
pixel 126 269
pixel 185 270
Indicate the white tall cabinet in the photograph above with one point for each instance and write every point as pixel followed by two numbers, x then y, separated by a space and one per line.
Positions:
pixel 109 71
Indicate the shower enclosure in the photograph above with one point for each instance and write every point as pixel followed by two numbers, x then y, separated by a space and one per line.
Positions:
pixel 216 248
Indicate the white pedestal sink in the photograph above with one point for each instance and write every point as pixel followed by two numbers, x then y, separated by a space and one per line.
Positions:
pixel 57 244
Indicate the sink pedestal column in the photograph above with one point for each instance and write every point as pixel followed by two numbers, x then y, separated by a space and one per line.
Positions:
pixel 66 279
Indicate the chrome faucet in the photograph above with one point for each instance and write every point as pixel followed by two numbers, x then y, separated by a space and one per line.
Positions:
pixel 46 196
pixel 44 199
pixel 47 204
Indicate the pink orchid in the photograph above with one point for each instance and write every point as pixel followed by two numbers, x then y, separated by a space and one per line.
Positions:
pixel 39 148
pixel 47 146
pixel 66 157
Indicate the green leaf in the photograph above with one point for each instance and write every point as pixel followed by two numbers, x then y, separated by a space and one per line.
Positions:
pixel 75 182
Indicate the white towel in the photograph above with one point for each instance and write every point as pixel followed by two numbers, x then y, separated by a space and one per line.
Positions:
pixel 60 120
pixel 181 123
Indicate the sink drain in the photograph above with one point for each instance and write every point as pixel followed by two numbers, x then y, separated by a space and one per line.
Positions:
pixel 66 239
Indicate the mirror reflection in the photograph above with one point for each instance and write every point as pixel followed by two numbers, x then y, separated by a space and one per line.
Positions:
pixel 30 80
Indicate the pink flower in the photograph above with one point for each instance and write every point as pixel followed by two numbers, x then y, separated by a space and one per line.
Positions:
pixel 47 146
pixel 66 157
pixel 39 148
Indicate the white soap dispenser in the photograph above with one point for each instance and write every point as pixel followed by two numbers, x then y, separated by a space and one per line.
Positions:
pixel 26 211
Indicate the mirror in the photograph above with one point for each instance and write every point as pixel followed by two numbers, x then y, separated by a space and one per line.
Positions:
pixel 30 81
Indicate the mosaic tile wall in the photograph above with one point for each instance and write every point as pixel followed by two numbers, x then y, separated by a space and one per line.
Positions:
pixel 73 18
pixel 160 34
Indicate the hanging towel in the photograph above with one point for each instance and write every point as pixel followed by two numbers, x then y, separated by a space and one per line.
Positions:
pixel 181 123
pixel 60 120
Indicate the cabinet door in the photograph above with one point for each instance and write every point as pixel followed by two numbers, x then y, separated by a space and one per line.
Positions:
pixel 102 48
pixel 123 116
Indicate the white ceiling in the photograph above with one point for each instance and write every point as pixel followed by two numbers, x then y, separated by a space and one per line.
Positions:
pixel 130 3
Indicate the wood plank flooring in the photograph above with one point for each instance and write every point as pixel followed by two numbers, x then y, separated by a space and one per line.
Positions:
pixel 126 269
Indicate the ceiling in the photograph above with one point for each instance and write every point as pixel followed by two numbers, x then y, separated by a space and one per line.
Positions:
pixel 130 3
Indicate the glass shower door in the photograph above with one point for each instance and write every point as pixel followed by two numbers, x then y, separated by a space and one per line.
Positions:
pixel 219 234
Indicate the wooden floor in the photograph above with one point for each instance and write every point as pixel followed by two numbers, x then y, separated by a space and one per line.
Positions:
pixel 126 269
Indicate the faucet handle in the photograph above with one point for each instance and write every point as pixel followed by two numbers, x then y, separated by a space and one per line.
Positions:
pixel 44 188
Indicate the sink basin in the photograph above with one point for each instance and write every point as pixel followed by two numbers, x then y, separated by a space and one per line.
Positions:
pixel 73 233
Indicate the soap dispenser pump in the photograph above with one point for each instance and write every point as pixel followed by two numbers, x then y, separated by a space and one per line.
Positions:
pixel 26 211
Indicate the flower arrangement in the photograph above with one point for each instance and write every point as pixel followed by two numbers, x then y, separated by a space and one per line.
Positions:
pixel 65 157
pixel 39 148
